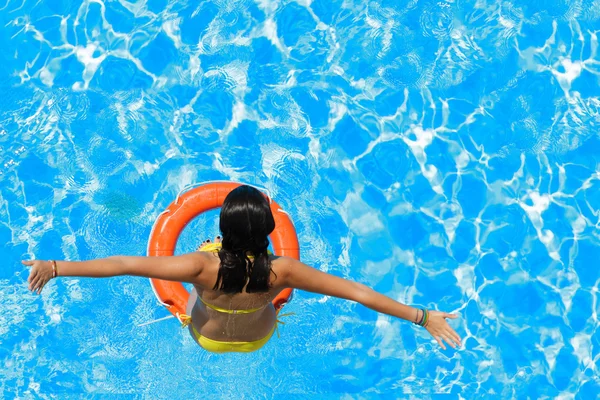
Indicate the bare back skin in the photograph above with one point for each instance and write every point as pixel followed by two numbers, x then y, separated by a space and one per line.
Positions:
pixel 232 327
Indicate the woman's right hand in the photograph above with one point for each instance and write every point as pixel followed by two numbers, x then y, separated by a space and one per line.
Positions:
pixel 438 327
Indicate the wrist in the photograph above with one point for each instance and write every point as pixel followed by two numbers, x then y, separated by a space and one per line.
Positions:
pixel 424 320
pixel 54 268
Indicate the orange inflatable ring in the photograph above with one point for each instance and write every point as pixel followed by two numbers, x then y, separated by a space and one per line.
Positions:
pixel 171 222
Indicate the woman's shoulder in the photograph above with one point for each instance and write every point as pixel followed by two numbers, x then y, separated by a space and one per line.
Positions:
pixel 281 267
pixel 210 266
pixel 203 258
pixel 281 261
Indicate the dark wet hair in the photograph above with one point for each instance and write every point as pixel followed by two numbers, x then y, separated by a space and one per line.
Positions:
pixel 246 221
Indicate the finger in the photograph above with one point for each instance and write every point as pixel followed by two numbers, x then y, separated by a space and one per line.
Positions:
pixel 41 285
pixel 440 342
pixel 29 263
pixel 454 339
pixel 32 276
pixel 455 336
pixel 35 288
pixel 452 333
pixel 449 341
pixel 452 316
pixel 34 282
pixel 218 239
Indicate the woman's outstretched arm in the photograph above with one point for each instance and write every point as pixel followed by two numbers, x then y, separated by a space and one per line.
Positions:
pixel 184 268
pixel 298 275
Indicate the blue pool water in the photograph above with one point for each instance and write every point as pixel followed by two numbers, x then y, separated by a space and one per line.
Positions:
pixel 445 153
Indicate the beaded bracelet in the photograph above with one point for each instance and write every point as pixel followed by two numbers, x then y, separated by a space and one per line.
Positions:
pixel 54 269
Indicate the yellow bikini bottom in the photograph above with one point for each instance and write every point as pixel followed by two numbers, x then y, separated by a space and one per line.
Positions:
pixel 216 346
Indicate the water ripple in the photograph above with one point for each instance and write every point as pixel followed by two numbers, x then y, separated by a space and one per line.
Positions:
pixel 437 20
pixel 405 71
pixel 104 157
pixel 115 217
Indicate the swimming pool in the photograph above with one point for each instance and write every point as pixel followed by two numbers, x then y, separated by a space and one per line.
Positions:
pixel 443 152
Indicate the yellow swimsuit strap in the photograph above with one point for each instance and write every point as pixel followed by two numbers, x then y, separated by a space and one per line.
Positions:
pixel 227 311
pixel 215 247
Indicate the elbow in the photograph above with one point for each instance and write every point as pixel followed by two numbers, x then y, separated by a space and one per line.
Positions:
pixel 116 266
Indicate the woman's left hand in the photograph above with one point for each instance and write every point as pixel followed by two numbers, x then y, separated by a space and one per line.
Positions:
pixel 41 273
pixel 438 327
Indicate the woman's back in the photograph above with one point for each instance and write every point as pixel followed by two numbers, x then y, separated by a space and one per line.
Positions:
pixel 232 316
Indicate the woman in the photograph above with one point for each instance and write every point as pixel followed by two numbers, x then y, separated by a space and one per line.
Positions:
pixel 234 284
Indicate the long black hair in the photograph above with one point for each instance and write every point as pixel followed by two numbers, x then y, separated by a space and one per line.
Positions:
pixel 246 221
